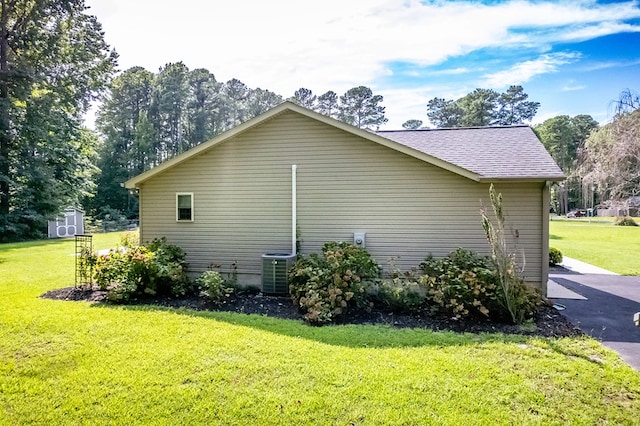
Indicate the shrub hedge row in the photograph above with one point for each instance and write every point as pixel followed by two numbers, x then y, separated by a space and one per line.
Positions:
pixel 342 279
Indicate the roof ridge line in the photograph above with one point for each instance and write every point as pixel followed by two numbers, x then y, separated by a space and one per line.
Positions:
pixel 506 126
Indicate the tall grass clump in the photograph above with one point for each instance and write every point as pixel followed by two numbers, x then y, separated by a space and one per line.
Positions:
pixel 513 294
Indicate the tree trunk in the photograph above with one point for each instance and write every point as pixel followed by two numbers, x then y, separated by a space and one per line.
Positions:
pixel 5 121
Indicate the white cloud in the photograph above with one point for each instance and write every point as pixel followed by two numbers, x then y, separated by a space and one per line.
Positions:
pixel 572 87
pixel 596 30
pixel 335 44
pixel 524 71
pixel 282 45
pixel 594 66
pixel 452 71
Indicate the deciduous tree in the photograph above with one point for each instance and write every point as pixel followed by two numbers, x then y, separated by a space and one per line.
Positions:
pixel 628 101
pixel 611 157
pixel 564 137
pixel 53 63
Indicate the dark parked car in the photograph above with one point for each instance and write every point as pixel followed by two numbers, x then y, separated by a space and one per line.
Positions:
pixel 577 213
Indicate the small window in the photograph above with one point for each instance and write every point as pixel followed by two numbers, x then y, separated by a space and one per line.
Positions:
pixel 184 207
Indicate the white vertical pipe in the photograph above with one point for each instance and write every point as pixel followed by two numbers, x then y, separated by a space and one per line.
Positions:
pixel 294 201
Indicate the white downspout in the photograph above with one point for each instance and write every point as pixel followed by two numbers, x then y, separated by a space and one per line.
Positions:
pixel 294 218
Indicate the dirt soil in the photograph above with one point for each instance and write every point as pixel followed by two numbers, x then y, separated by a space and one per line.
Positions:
pixel 548 321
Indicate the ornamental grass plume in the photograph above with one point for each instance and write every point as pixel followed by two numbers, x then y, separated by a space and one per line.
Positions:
pixel 513 294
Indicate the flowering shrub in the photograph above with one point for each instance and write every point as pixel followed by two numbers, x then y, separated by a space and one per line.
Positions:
pixel 123 272
pixel 138 271
pixel 325 287
pixel 460 284
pixel 464 283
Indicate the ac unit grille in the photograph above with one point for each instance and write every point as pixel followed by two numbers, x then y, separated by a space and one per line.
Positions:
pixel 275 267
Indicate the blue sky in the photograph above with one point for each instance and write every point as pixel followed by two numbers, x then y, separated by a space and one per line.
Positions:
pixel 574 57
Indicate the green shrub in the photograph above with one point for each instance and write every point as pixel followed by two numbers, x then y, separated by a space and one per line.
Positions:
pixel 325 287
pixel 555 256
pixel 460 284
pixel 139 271
pixel 231 279
pixel 171 268
pixel 400 294
pixel 625 221
pixel 130 239
pixel 213 286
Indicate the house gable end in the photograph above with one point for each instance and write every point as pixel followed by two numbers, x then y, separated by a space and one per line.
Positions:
pixel 288 107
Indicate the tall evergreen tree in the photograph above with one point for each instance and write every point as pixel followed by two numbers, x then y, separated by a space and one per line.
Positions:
pixel 443 113
pixel 514 107
pixel 361 108
pixel 483 107
pixel 412 124
pixel 479 108
pixel 304 97
pixel 170 95
pixel 260 101
pixel 129 140
pixel 203 103
pixel 327 104
pixel 235 95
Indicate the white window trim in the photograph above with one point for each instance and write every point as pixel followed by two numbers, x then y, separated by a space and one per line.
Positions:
pixel 178 194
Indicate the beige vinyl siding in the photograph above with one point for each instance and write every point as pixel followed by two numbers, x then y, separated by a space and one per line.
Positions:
pixel 346 184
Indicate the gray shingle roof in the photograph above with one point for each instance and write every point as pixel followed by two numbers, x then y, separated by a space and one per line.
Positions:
pixel 503 152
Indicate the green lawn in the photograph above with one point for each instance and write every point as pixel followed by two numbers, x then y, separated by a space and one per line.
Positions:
pixel 600 243
pixel 69 363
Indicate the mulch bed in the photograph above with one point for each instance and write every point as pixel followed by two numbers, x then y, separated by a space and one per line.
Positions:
pixel 549 322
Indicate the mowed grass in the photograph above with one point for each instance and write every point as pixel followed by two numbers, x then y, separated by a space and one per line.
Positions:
pixel 69 363
pixel 600 243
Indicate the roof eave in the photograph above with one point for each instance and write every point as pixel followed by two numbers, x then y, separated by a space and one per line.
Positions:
pixel 522 179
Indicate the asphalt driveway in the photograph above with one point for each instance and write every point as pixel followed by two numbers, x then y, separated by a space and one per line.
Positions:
pixel 605 310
